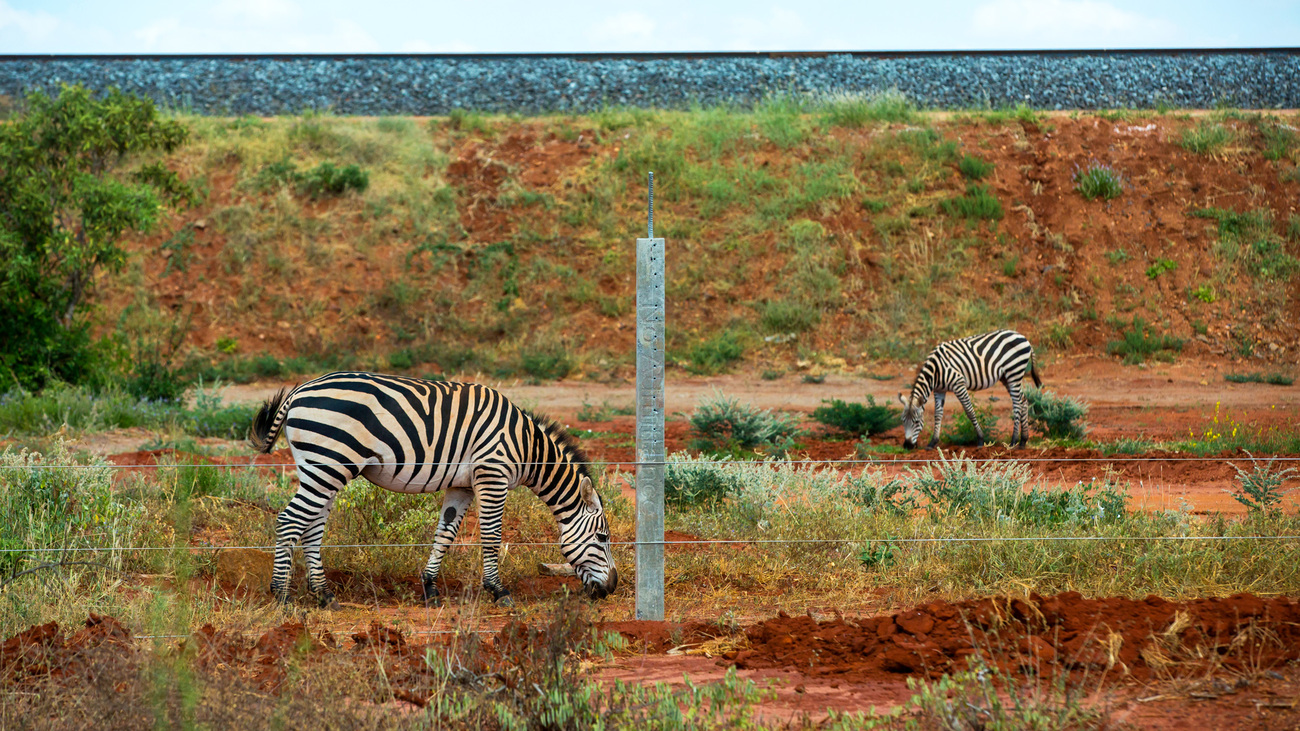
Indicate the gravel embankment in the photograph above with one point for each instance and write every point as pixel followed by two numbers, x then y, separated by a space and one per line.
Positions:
pixel 435 85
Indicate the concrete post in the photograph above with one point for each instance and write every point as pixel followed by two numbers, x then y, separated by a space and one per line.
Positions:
pixel 650 421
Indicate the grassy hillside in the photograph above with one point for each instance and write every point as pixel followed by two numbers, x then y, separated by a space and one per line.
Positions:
pixel 833 235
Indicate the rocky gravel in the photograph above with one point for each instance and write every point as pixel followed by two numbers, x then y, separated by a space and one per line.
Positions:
pixel 430 85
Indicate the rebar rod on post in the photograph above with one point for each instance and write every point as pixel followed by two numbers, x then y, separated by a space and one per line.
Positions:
pixel 650 420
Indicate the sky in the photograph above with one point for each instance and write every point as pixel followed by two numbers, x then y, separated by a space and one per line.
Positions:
pixel 523 26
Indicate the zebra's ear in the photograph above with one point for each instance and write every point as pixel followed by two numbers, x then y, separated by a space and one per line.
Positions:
pixel 588 493
pixel 902 400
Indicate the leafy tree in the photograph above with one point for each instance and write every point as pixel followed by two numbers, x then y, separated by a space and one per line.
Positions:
pixel 65 203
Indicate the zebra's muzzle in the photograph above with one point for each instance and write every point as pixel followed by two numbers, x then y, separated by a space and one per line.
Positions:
pixel 597 590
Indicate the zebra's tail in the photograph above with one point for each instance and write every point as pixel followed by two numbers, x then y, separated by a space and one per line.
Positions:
pixel 269 421
pixel 1033 371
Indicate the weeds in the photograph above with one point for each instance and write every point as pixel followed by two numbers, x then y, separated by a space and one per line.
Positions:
pixel 1248 239
pixel 974 168
pixel 1206 138
pixel 1140 342
pixel 1260 490
pixel 858 110
pixel 780 317
pixel 961 432
pixel 716 354
pixel 1276 379
pixel 1098 181
pixel 697 482
pixel 1057 417
pixel 978 203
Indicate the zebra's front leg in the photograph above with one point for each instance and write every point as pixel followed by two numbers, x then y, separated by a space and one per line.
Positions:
pixel 455 502
pixel 492 489
pixel 939 397
pixel 969 406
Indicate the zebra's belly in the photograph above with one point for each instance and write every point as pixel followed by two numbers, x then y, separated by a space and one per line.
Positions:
pixel 426 479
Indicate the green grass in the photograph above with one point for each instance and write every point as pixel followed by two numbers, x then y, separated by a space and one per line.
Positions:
pixel 1098 181
pixel 858 110
pixel 784 316
pixel 1206 138
pixel 1248 240
pixel 974 168
pixel 977 203
pixel 83 410
pixel 716 354
pixel 1139 341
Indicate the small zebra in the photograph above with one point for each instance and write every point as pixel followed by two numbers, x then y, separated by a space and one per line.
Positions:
pixel 413 436
pixel 971 364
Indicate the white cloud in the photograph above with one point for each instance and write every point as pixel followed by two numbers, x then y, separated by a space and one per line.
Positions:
pixel 33 26
pixel 1042 23
pixel 624 27
pixel 157 30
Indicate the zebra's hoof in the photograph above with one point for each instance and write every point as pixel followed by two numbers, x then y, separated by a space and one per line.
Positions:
pixel 431 598
pixel 505 601
pixel 326 600
pixel 281 596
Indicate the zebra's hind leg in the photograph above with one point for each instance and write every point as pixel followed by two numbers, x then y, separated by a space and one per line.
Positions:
pixel 1019 414
pixel 492 486
pixel 303 519
pixel 455 501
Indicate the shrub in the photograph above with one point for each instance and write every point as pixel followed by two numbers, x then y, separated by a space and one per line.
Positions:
pixel 856 418
pixel 725 426
pixel 995 491
pixel 547 364
pixel 698 482
pixel 1276 379
pixel 974 168
pixel 1139 342
pixel 782 316
pixel 1160 267
pixel 977 203
pixel 326 179
pixel 1261 489
pixel 1056 416
pixel 716 354
pixel 1098 181
pixel 878 493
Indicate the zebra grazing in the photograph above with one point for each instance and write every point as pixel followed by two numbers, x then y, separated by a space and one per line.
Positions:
pixel 971 364
pixel 410 435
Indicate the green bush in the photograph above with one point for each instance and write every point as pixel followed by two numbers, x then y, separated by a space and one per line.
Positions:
pixel 716 354
pixel 326 179
pixel 546 364
pixel 995 491
pixel 1276 379
pixel 698 482
pixel 63 210
pixel 974 168
pixel 977 203
pixel 725 426
pixel 1098 181
pixel 782 316
pixel 1055 416
pixel 856 418
pixel 1261 489
pixel 1139 342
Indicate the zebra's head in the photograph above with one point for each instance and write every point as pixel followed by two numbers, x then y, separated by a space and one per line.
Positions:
pixel 912 420
pixel 584 540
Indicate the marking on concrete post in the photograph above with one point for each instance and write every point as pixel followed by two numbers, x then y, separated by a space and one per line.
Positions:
pixel 650 420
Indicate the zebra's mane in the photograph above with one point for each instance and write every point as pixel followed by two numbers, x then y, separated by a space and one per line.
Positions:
pixel 567 443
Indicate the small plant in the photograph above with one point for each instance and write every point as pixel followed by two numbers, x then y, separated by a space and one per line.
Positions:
pixel 1056 416
pixel 977 203
pixel 1261 488
pixel 328 180
pixel 1098 181
pixel 857 419
pixel 1140 342
pixel 783 316
pixel 716 354
pixel 228 345
pixel 974 168
pixel 1276 379
pixel 1206 138
pixel 878 555
pixel 1205 293
pixel 771 374
pixel 726 426
pixel 1117 256
pixel 1279 140
pixel 1009 265
pixel 1160 267
pixel 874 205
pixel 857 110
pixel 813 378
pixel 546 364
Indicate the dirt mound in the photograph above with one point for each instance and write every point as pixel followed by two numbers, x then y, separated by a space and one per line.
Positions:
pixel 264 662
pixel 1130 637
pixel 46 652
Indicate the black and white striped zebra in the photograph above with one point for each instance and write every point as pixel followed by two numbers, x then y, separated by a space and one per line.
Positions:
pixel 971 364
pixel 414 436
